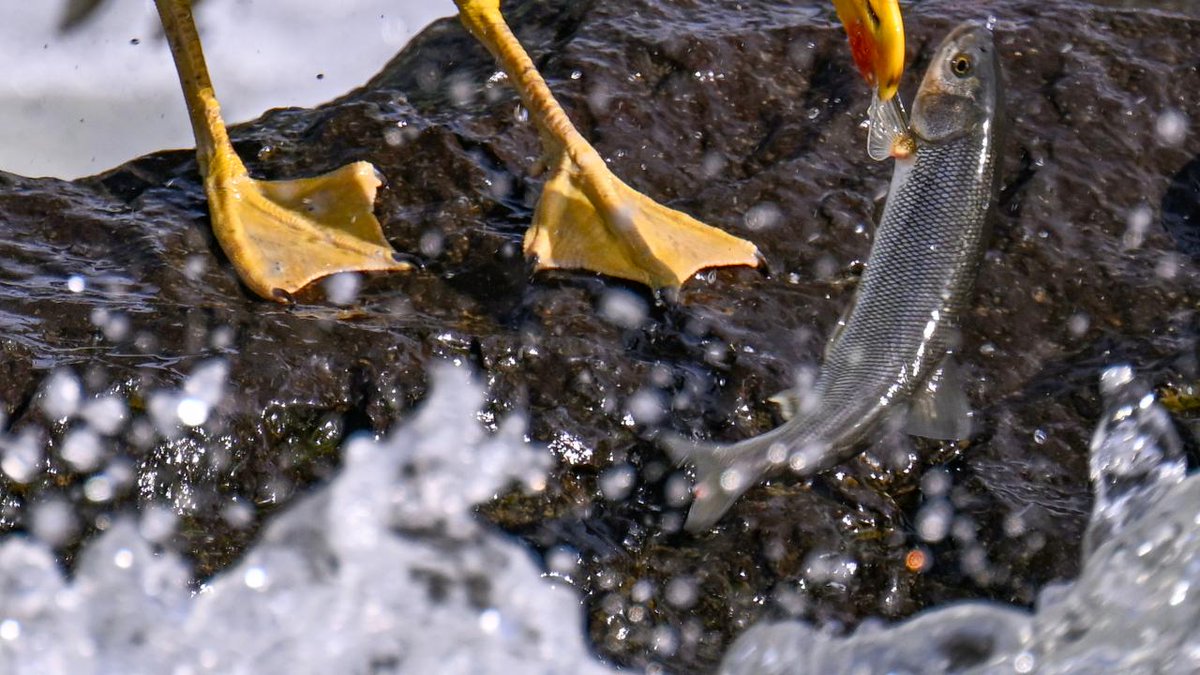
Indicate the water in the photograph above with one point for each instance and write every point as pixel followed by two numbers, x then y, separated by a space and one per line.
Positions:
pixel 385 569
pixel 1134 608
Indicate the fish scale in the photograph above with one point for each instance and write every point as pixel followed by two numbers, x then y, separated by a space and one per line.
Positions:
pixel 917 283
pixel 924 259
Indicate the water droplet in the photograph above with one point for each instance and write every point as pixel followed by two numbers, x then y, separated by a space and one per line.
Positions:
pixel 81 449
pixel 732 480
pixel 678 490
pixel 1168 266
pixel 98 489
pixel 61 394
pixel 623 308
pixel 1078 324
pixel 762 216
pixel 935 483
pixel 1114 378
pixel 21 456
pixel 53 521
pixel 646 406
pixel 1136 226
pixel 191 411
pixel 194 267
pixel 238 514
pixel 342 288
pixel 1179 593
pixel 1171 127
pixel 158 523
pixel 255 578
pixel 642 591
pixel 616 482
pixel 432 243
pixel 489 621
pixel 934 519
pixel 563 561
pixel 682 592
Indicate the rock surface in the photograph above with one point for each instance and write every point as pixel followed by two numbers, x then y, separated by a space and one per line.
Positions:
pixel 743 114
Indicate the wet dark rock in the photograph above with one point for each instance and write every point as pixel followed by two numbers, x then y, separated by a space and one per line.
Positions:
pixel 1181 209
pixel 714 108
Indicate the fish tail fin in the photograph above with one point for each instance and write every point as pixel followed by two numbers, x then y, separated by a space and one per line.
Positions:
pixel 723 473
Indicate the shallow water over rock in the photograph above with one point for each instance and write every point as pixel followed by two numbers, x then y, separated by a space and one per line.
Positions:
pixel 743 114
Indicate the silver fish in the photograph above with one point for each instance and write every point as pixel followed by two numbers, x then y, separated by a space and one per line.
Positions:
pixel 893 352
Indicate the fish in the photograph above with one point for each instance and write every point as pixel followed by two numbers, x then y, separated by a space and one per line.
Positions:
pixel 893 351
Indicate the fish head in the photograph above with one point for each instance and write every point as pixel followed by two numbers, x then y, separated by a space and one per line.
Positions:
pixel 961 90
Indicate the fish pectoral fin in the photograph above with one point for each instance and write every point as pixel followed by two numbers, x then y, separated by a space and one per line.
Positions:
pixel 939 408
pixel 887 129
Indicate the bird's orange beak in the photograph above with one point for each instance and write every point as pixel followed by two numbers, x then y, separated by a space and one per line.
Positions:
pixel 876 33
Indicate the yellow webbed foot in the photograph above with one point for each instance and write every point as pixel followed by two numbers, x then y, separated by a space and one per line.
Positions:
pixel 633 237
pixel 587 218
pixel 280 235
pixel 283 235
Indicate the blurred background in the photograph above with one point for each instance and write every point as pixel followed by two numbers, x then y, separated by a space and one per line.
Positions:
pixel 78 102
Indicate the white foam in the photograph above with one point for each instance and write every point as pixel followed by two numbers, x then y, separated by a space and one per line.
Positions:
pixel 386 569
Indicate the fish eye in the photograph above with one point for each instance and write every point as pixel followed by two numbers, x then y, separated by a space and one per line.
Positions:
pixel 962 65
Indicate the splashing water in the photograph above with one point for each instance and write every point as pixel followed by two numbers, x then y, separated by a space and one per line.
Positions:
pixel 1135 607
pixel 387 570
pixel 384 570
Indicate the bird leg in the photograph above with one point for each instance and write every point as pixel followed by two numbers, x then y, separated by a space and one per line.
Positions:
pixel 588 218
pixel 280 235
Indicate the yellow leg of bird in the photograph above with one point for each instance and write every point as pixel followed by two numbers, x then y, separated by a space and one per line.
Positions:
pixel 280 235
pixel 587 218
